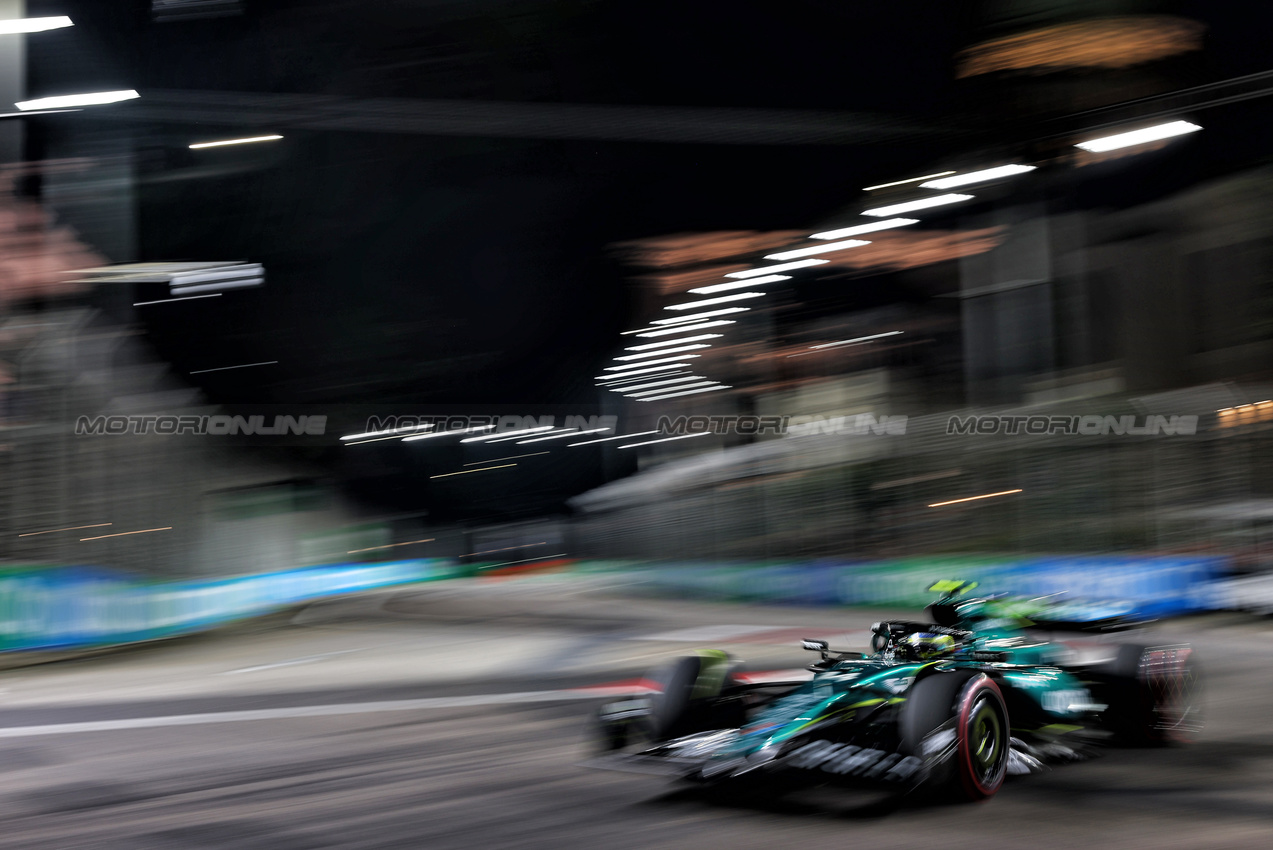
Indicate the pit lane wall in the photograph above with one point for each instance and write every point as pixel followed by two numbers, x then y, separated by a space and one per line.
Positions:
pixel 72 608
pixel 1150 585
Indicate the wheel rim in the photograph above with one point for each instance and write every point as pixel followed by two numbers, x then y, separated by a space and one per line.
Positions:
pixel 985 738
pixel 1175 692
pixel 1179 712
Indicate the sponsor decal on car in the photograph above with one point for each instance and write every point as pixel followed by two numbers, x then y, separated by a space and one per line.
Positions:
pixel 846 759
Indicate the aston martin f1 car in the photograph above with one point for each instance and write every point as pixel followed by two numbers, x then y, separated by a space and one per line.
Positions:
pixel 952 705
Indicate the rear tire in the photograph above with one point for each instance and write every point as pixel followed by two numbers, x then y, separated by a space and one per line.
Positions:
pixel 1154 694
pixel 973 706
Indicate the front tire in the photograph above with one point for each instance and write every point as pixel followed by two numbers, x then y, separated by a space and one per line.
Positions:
pixel 690 696
pixel 958 723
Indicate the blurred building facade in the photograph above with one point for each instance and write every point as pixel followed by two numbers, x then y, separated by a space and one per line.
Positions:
pixel 149 503
pixel 1159 309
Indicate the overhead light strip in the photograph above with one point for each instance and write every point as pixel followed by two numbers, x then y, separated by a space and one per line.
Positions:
pixel 688 392
pixel 572 433
pixel 666 343
pixel 224 143
pixel 667 440
pixel 685 329
pixel 26 25
pixel 815 249
pixel 695 385
pixel 767 270
pixel 724 299
pixel 977 176
pixel 628 388
pixel 857 229
pixel 639 371
pixel 609 439
pixel 680 320
pixel 919 204
pixel 89 99
pixel 907 180
pixel 855 339
pixel 1139 137
pixel 739 284
pixel 643 355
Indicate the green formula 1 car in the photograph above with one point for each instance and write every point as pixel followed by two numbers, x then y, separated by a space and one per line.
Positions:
pixel 953 705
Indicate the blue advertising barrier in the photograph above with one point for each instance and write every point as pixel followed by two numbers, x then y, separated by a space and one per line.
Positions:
pixel 78 607
pixel 1151 585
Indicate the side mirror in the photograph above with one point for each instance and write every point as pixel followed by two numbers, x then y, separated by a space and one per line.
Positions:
pixel 816 645
pixel 881 633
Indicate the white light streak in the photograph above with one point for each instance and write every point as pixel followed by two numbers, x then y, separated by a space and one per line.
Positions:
pixel 628 388
pixel 21 25
pixel 36 112
pixel 695 385
pixel 855 339
pixel 504 438
pixel 739 284
pixel 784 267
pixel 467 471
pixel 687 392
pixel 680 320
pixel 645 354
pixel 373 440
pixel 626 366
pixel 388 431
pixel 977 176
pixel 639 371
pixel 628 377
pixel 684 329
pixel 1139 137
pixel 247 141
pixel 974 498
pixel 126 533
pixel 817 249
pixel 608 439
pixel 920 204
pixel 666 440
pixel 447 433
pixel 538 429
pixel 907 180
pixel 888 224
pixel 390 546
pixel 91 99
pixel 170 300
pixel 68 528
pixel 724 299
pixel 571 433
pixel 497 460
pixel 668 342
pixel 240 366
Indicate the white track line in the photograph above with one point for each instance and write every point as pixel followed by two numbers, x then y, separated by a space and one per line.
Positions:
pixel 291 662
pixel 330 710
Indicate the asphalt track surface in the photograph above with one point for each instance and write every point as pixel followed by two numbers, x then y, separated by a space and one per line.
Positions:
pixel 454 716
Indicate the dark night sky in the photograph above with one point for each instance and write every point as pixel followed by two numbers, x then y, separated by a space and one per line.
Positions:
pixel 429 269
pixel 417 268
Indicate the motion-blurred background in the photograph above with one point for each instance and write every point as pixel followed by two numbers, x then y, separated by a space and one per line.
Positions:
pixel 451 209
pixel 499 315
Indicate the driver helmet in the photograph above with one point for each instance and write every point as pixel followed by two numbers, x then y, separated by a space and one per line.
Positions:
pixel 925 646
